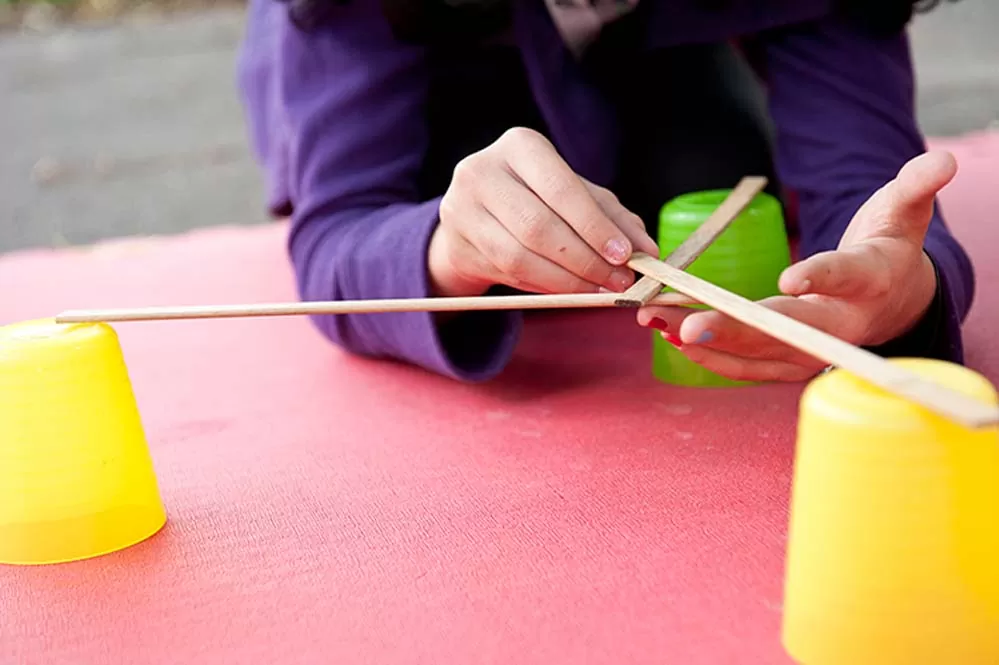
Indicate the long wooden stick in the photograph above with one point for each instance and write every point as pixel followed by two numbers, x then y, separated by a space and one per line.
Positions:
pixel 645 289
pixel 832 350
pixel 557 301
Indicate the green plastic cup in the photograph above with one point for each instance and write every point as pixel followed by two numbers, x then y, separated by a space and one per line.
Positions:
pixel 747 259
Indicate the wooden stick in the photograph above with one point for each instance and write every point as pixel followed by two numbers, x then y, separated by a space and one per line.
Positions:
pixel 645 289
pixel 832 350
pixel 556 301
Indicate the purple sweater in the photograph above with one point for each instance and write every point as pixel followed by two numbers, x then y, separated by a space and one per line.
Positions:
pixel 335 118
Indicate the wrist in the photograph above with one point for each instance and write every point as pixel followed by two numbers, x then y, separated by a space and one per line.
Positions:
pixel 923 292
pixel 444 280
pixel 918 296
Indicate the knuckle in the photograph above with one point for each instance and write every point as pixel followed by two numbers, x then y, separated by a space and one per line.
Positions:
pixel 611 204
pixel 558 189
pixel 879 284
pixel 520 136
pixel 591 225
pixel 449 209
pixel 513 262
pixel 595 270
pixel 461 263
pixel 604 195
pixel 535 227
pixel 594 232
pixel 469 171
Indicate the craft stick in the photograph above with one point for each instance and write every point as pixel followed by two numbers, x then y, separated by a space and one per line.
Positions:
pixel 827 348
pixel 640 293
pixel 556 301
pixel 645 289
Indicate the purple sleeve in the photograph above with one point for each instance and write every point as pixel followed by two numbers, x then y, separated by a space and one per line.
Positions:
pixel 843 106
pixel 336 119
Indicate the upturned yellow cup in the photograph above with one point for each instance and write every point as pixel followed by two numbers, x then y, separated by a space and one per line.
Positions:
pixel 893 553
pixel 76 477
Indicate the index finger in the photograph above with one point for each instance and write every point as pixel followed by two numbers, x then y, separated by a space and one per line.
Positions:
pixel 537 164
pixel 631 224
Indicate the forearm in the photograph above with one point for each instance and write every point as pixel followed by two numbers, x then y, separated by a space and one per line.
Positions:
pixel 383 254
pixel 843 103
pixel 336 116
pixel 938 333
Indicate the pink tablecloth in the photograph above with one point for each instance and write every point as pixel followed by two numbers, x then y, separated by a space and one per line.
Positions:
pixel 325 508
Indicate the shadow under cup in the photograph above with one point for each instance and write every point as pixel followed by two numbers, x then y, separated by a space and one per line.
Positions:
pixel 747 259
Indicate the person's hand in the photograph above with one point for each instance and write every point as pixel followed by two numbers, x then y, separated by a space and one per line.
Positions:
pixel 873 288
pixel 516 214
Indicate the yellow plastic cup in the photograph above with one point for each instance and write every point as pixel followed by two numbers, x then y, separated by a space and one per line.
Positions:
pixel 893 553
pixel 76 477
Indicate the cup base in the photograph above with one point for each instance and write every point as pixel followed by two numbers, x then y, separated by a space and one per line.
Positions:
pixel 746 259
pixel 79 538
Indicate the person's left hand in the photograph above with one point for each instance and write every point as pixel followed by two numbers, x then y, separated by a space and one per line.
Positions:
pixel 873 288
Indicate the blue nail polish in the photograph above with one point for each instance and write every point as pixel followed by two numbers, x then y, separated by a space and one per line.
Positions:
pixel 705 337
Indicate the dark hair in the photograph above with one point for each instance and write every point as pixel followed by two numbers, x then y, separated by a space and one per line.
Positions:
pixel 884 17
pixel 417 21
pixel 446 21
pixel 455 21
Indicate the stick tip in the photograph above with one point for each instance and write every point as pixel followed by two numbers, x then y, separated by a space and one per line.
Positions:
pixel 632 303
pixel 67 317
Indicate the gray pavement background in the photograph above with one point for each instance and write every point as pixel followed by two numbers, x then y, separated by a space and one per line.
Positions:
pixel 134 128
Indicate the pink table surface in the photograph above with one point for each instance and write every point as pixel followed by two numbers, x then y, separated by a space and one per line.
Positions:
pixel 324 508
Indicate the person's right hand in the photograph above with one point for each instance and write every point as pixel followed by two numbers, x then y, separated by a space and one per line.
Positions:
pixel 516 214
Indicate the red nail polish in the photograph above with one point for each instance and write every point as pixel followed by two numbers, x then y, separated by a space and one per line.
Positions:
pixel 672 339
pixel 658 324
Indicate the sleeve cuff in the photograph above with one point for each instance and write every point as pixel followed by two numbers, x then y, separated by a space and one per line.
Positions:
pixel 387 258
pixel 472 346
pixel 937 335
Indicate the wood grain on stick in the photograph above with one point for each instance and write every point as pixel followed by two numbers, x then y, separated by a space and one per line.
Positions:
pixel 556 301
pixel 646 288
pixel 827 348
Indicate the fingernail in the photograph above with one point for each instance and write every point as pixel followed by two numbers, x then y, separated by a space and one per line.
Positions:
pixel 620 280
pixel 704 337
pixel 658 324
pixel 804 287
pixel 672 339
pixel 616 250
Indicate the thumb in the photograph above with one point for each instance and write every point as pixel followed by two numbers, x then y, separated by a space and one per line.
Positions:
pixel 903 207
pixel 853 272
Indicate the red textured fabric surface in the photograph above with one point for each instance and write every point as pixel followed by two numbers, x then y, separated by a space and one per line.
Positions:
pixel 325 508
